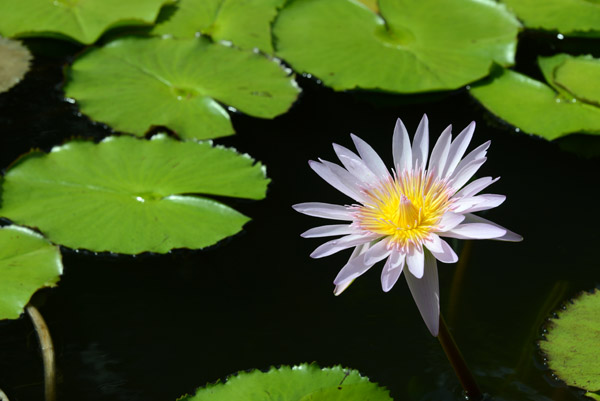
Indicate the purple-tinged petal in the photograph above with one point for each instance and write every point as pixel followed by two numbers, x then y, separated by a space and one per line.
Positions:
pixel 355 165
pixel 426 294
pixel 509 236
pixel 463 175
pixel 377 252
pixel 401 148
pixel 341 287
pixel 329 231
pixel 392 270
pixel 457 149
pixel 450 220
pixel 325 210
pixel 414 261
pixel 476 203
pixel 440 249
pixel 353 269
pixel 440 151
pixel 370 157
pixel 478 153
pixel 336 245
pixel 473 188
pixel 475 231
pixel 420 148
pixel 348 188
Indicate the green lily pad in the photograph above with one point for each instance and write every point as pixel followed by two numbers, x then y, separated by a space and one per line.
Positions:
pixel 298 383
pixel 572 343
pixel 80 20
pixel 410 46
pixel 129 195
pixel 565 16
pixel 534 107
pixel 28 262
pixel 133 84
pixel 14 63
pixel 548 66
pixel 247 24
pixel 581 77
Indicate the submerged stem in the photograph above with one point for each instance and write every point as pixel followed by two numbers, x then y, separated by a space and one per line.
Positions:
pixel 47 351
pixel 458 363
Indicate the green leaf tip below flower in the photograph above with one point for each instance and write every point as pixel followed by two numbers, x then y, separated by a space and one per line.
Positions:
pixel 82 21
pixel 28 262
pixel 128 195
pixel 305 382
pixel 572 344
pixel 134 84
pixel 408 47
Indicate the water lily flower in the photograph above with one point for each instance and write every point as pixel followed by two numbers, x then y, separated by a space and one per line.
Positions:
pixel 402 214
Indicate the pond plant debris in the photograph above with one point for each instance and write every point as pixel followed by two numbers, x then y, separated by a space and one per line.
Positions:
pixel 15 60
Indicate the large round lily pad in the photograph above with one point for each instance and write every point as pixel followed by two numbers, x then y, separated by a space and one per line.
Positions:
pixel 410 46
pixel 80 20
pixel 28 262
pixel 133 84
pixel 572 343
pixel 534 107
pixel 14 63
pixel 247 24
pixel 297 383
pixel 129 195
pixel 565 16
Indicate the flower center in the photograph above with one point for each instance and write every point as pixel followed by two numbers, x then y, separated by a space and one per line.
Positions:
pixel 406 208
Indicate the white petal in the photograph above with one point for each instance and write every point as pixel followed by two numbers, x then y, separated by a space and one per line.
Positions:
pixel 420 148
pixel 392 270
pixel 341 287
pixel 336 245
pixel 339 182
pixel 370 157
pixel 458 148
pixel 477 153
pixel 414 260
pixel 509 236
pixel 377 252
pixel 463 175
pixel 426 294
pixel 475 231
pixel 325 210
pixel 353 269
pixel 401 148
pixel 440 249
pixel 355 165
pixel 476 203
pixel 440 151
pixel 474 187
pixel 450 220
pixel 329 231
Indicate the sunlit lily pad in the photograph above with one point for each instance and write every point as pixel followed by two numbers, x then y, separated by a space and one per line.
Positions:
pixel 28 262
pixel 133 84
pixel 129 195
pixel 572 343
pixel 81 20
pixel 410 46
pixel 14 63
pixel 534 107
pixel 297 383
pixel 581 77
pixel 565 16
pixel 245 23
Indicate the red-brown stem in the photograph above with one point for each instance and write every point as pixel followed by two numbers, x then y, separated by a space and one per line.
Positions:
pixel 458 363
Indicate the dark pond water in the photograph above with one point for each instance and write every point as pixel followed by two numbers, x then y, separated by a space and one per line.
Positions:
pixel 154 327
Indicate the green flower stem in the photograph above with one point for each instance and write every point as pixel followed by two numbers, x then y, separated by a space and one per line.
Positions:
pixel 458 363
pixel 47 351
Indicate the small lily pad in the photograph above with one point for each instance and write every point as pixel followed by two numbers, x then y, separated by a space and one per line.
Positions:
pixel 14 63
pixel 133 84
pixel 28 262
pixel 83 21
pixel 129 195
pixel 564 16
pixel 298 383
pixel 581 77
pixel 534 107
pixel 572 343
pixel 247 24
pixel 408 47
